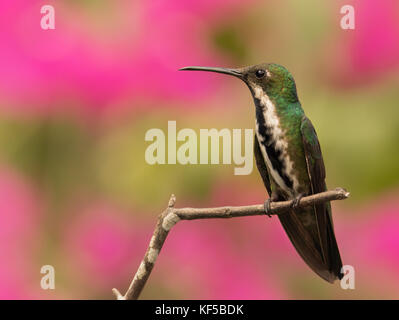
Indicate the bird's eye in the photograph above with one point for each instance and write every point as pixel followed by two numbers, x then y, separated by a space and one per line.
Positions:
pixel 260 73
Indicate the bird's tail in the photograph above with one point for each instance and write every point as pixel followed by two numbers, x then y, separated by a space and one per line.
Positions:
pixel 321 255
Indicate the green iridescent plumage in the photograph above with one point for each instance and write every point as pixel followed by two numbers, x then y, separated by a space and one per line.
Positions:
pixel 289 160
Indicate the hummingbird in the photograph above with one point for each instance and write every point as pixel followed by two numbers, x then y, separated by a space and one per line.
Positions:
pixel 289 159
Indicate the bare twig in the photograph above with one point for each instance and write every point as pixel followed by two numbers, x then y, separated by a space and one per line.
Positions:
pixel 171 215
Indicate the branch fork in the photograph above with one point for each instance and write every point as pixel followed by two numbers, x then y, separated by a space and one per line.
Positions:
pixel 171 215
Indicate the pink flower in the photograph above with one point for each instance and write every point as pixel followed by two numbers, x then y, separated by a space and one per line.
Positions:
pixel 205 9
pixel 94 65
pixel 370 243
pixel 372 48
pixel 203 258
pixel 376 47
pixel 103 245
pixel 19 219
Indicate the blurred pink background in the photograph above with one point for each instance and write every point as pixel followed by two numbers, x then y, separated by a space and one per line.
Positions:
pixel 76 102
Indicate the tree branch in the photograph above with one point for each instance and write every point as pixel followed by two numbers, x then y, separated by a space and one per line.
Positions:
pixel 171 215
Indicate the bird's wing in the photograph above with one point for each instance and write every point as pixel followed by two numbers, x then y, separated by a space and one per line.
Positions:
pixel 261 165
pixel 300 237
pixel 298 234
pixel 317 174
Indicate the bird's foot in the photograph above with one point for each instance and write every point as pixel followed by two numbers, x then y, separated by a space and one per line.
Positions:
pixel 295 202
pixel 266 205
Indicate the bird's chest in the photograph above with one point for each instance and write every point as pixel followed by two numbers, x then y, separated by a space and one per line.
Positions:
pixel 275 146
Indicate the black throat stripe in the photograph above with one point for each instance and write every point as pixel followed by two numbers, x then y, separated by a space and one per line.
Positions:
pixel 270 144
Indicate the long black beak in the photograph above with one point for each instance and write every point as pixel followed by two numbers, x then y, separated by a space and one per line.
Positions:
pixel 233 72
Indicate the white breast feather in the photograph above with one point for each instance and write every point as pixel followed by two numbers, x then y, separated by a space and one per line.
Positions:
pixel 272 124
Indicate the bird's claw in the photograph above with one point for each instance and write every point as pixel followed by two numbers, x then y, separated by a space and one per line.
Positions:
pixel 266 205
pixel 295 202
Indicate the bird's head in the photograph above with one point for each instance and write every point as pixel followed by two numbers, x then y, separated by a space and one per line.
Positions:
pixel 268 78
